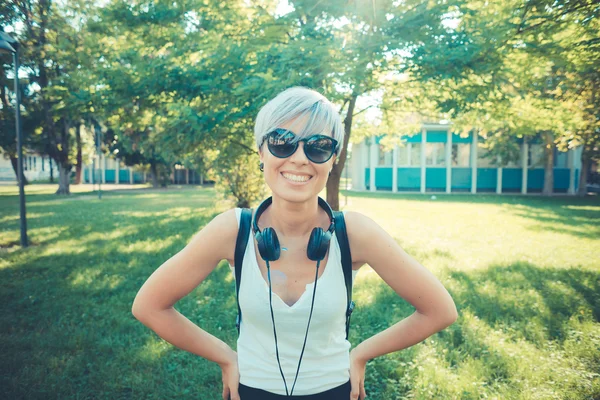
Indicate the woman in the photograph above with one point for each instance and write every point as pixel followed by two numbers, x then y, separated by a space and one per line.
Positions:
pixel 298 134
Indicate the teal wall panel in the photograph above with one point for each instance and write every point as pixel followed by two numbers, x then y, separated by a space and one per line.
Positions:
pixel 511 179
pixel 461 178
pixel 409 178
pixel 413 139
pixel 435 178
pixel 535 179
pixel 486 179
pixel 530 140
pixel 138 177
pixel 437 136
pixel 383 178
pixel 457 139
pixel 110 176
pixel 123 176
pixel 561 179
pixel 97 175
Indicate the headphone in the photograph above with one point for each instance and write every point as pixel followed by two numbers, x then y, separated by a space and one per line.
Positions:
pixel 268 243
pixel 269 249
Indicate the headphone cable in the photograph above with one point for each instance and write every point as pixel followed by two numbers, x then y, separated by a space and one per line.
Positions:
pixel 289 394
pixel 309 317
pixel 274 331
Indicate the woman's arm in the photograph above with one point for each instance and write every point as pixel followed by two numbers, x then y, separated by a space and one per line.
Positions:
pixel 435 309
pixel 177 277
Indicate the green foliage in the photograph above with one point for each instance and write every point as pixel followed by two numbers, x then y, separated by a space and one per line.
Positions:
pixel 239 178
pixel 177 80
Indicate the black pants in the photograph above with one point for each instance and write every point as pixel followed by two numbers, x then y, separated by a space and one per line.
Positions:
pixel 341 392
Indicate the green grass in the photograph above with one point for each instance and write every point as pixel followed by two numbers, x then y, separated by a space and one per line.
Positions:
pixel 523 271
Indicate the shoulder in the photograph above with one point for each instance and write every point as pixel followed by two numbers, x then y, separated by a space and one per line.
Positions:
pixel 361 231
pixel 225 226
pixel 226 221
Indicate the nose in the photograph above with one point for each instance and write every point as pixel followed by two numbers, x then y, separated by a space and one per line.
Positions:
pixel 299 157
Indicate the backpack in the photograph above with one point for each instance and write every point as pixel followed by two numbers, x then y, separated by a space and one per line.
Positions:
pixel 342 237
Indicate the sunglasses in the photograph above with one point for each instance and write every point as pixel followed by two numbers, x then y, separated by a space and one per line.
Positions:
pixel 282 143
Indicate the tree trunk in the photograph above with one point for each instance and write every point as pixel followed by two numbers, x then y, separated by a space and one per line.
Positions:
pixel 51 170
pixel 583 173
pixel 333 183
pixel 64 166
pixel 549 167
pixel 154 173
pixel 64 173
pixel 78 166
pixel 13 162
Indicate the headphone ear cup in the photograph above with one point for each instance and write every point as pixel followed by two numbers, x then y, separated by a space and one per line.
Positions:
pixel 318 244
pixel 268 244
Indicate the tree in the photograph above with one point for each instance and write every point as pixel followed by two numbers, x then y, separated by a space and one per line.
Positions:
pixel 510 71
pixel 54 53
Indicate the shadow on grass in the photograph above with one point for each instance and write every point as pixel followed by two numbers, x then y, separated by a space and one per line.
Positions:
pixel 66 304
pixel 503 310
pixel 522 293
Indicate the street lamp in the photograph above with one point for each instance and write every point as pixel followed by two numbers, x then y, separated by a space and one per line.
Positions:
pixel 10 45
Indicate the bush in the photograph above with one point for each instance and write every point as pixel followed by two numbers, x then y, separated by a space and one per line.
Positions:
pixel 239 178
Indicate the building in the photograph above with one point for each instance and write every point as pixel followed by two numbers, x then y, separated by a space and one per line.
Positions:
pixel 108 170
pixel 112 170
pixel 423 165
pixel 35 168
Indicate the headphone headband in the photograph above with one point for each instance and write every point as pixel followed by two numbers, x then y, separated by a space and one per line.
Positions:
pixel 267 202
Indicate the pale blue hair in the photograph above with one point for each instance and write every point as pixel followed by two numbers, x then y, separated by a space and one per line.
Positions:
pixel 298 101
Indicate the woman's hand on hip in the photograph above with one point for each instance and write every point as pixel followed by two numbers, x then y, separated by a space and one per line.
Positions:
pixel 357 377
pixel 231 378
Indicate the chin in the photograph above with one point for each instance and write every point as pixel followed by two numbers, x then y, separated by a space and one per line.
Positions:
pixel 294 196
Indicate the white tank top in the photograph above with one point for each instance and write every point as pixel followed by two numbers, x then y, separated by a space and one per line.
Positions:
pixel 326 362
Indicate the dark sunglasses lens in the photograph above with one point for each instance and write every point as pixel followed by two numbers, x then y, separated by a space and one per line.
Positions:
pixel 319 149
pixel 281 144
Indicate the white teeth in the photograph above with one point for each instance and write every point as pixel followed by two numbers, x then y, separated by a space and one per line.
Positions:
pixel 296 178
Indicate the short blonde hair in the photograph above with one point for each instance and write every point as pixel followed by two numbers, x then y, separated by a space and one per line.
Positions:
pixel 299 101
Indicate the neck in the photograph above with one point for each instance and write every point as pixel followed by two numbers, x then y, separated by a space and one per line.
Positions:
pixel 293 220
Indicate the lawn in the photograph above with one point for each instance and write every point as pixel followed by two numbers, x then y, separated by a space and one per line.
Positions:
pixel 524 273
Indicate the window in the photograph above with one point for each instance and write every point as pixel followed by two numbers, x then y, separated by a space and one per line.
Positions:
pixel 518 163
pixel 435 154
pixel 484 158
pixel 403 155
pixel 415 154
pixel 535 158
pixel 561 159
pixel 385 157
pixel 461 154
pixel 110 163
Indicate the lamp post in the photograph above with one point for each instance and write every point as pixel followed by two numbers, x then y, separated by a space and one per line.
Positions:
pixel 10 45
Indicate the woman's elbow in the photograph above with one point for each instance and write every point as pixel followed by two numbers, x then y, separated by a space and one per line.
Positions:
pixel 451 316
pixel 139 309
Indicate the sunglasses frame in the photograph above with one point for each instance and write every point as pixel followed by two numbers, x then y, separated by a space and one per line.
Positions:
pixel 281 131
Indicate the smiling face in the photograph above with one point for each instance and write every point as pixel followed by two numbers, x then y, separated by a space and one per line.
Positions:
pixel 295 178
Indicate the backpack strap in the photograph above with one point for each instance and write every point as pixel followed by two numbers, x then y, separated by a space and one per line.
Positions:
pixel 240 249
pixel 342 237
